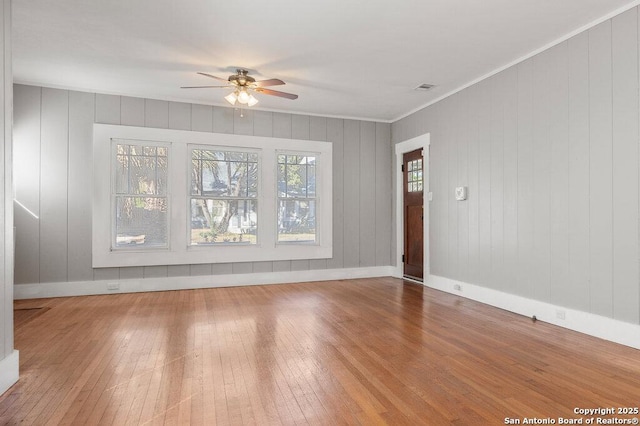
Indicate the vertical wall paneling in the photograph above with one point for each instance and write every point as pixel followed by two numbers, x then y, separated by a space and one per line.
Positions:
pixel 318 132
pixel 81 116
pixel 498 88
pixel 131 111
pixel 541 181
pixel 243 122
pixel 179 116
pixel 179 270
pixel 473 102
pixel 601 170
pixel 438 206
pixel 26 177
pixel 550 151
pixel 242 267
pixel 223 120
pixel 351 218
pixel 484 184
pixel 335 135
pixel 222 268
pixel 262 123
pixel 54 151
pixel 578 283
pixel 10 373
pixel 107 109
pixel 450 132
pixel 282 125
pixel 510 178
pixel 201 118
pixel 156 113
pixel 367 187
pixel 383 201
pixel 526 265
pixel 626 278
pixel 200 269
pixel 559 173
pixel 462 207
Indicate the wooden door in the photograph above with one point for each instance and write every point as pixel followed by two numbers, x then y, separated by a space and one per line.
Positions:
pixel 413 190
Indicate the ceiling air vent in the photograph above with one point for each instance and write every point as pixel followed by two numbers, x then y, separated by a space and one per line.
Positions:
pixel 425 86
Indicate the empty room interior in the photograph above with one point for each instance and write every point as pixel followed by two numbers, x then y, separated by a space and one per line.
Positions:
pixel 306 212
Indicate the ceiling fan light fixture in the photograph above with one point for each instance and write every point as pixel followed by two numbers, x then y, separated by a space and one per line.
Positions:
pixel 231 98
pixel 243 86
pixel 252 101
pixel 243 96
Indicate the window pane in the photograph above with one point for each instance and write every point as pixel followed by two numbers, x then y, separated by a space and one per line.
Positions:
pixel 223 221
pixel 311 180
pixel 141 221
pixel 122 174
pixel 139 170
pixel 296 176
pixel 296 180
pixel 296 221
pixel 224 174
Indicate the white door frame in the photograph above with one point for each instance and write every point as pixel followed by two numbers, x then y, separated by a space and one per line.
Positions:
pixel 422 141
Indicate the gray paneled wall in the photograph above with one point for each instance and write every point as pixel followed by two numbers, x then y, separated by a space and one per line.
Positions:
pixel 549 151
pixel 53 151
pixel 6 206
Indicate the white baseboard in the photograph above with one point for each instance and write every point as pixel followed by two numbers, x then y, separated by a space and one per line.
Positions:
pixel 594 325
pixel 605 328
pixel 85 288
pixel 9 370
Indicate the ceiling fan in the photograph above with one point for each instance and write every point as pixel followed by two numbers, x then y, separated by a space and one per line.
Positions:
pixel 243 85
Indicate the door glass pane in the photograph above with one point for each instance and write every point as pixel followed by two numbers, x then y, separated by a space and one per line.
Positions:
pixel 414 176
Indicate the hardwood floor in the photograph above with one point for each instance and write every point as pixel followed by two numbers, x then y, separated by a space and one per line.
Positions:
pixel 370 351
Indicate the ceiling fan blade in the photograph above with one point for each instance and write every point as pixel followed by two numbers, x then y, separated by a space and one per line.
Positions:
pixel 276 93
pixel 203 87
pixel 213 76
pixel 270 82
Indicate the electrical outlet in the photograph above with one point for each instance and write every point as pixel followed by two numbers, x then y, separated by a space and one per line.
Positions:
pixel 560 314
pixel 113 286
pixel 457 287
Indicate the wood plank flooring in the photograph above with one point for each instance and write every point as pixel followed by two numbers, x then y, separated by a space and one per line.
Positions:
pixel 357 352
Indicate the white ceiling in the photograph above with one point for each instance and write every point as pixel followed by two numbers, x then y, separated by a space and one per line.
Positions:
pixel 348 58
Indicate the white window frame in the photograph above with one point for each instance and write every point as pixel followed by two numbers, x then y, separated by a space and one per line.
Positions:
pixel 180 252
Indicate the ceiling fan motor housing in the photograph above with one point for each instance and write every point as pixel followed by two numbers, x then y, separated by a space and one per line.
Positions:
pixel 241 78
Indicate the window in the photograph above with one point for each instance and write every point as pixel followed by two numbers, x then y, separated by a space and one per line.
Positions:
pixel 139 195
pixel 296 198
pixel 224 191
pixel 175 197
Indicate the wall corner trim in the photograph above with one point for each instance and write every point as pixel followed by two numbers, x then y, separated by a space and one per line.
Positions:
pixel 616 331
pixel 86 288
pixel 9 371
